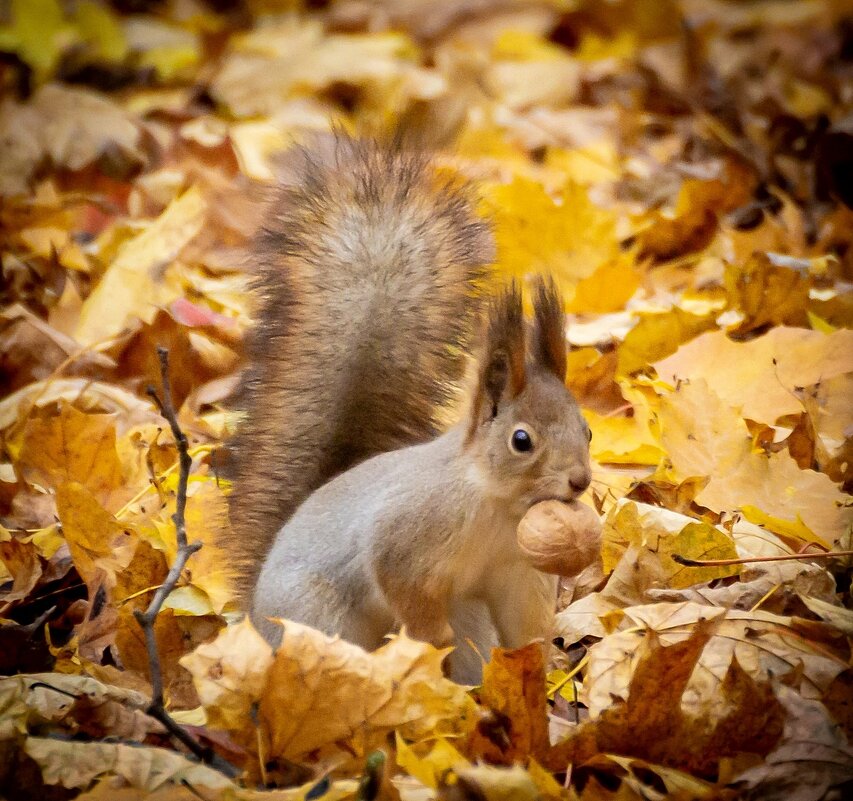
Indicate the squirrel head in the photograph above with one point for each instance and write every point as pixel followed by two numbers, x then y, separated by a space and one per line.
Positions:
pixel 526 432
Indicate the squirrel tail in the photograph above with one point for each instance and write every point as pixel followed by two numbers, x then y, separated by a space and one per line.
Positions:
pixel 368 278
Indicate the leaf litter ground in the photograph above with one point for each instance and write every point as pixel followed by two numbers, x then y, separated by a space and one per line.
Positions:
pixel 681 168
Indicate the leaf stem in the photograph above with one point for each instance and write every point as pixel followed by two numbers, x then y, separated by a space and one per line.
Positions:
pixel 683 560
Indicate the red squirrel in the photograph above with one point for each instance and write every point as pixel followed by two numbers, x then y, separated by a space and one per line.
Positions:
pixel 354 511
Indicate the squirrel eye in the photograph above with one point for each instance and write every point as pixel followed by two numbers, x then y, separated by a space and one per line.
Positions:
pixel 588 434
pixel 521 441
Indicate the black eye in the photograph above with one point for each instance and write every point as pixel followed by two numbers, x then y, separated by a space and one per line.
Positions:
pixel 589 434
pixel 521 441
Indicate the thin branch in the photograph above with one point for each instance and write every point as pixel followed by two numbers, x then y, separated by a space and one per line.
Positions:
pixel 146 619
pixel 683 560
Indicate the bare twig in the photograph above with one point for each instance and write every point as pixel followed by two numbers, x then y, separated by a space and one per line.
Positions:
pixel 683 560
pixel 157 708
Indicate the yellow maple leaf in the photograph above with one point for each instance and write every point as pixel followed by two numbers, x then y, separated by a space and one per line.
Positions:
pixel 703 436
pixel 608 289
pixel 622 440
pixel 658 334
pixel 761 376
pixel 568 238
pixel 75 446
pixel 99 544
pixel 132 286
pixel 430 768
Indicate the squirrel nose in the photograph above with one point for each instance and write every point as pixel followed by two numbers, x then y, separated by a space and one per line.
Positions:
pixel 579 478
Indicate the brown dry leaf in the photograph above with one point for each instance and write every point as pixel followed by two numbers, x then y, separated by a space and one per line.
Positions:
pixel 71 128
pixel 134 285
pixel 75 446
pixel 73 704
pixel 100 546
pixel 764 645
pixel 77 764
pixel 31 350
pixel 776 587
pixel 22 562
pixel 655 724
pixel 762 375
pixel 812 757
pixel 833 613
pixel 694 221
pixel 229 675
pixel 116 789
pixel 175 635
pixel 492 783
pixel 85 395
pixel 270 65
pixel 322 690
pixel 767 294
pixel 639 779
pixel 515 726
pixel 583 618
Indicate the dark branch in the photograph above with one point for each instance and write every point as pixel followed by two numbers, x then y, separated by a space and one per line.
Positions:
pixel 157 708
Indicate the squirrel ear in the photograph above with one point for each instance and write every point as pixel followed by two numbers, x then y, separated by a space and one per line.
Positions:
pixel 502 373
pixel 549 330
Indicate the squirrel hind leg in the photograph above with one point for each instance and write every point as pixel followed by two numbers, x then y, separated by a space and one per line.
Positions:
pixel 312 600
pixel 476 635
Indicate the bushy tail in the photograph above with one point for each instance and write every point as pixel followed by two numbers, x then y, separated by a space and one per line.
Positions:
pixel 368 275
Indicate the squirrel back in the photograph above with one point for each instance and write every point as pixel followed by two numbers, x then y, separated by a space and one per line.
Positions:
pixel 367 284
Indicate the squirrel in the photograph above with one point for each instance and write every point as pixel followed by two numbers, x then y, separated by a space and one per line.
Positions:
pixel 353 510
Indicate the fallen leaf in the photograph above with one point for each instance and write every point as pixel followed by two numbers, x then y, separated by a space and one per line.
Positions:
pixel 229 675
pixel 767 294
pixel 74 446
pixel 665 533
pixel 23 565
pixel 657 722
pixel 492 783
pixel 568 237
pixel 77 764
pixel 657 335
pixel 100 546
pixel 762 375
pixel 84 394
pixel 763 643
pixel 72 128
pixel 434 765
pixel 513 690
pixel 812 757
pixel 133 285
pixel 322 690
pixel 705 437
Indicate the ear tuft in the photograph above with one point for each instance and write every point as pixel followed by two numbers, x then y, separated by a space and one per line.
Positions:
pixel 505 347
pixel 502 370
pixel 549 331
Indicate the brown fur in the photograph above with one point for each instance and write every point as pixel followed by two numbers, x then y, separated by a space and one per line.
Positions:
pixel 367 285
